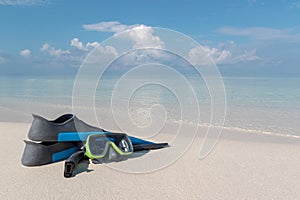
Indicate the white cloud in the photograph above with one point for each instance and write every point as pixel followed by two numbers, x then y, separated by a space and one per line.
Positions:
pixel 75 56
pixel 202 55
pixel 197 56
pixel 92 45
pixel 111 26
pixel 54 52
pixel 261 33
pixel 142 36
pixel 225 53
pixel 217 55
pixel 25 53
pixel 75 42
pixel 23 2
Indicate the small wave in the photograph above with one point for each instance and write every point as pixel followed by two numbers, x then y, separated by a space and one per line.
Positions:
pixel 235 128
pixel 264 132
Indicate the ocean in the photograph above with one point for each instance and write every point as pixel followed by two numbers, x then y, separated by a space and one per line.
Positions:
pixel 262 105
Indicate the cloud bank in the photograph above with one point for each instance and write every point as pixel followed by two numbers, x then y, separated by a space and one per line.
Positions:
pixel 142 36
pixel 110 26
pixel 261 33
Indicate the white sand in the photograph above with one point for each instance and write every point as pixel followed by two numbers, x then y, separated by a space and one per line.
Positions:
pixel 242 166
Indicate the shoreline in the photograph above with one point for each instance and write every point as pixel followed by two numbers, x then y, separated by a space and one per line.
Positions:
pixel 229 133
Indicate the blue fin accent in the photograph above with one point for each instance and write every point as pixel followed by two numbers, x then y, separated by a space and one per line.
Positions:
pixel 82 136
pixel 63 154
pixel 135 141
pixel 75 136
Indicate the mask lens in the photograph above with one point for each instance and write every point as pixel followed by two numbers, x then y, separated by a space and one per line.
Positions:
pixel 98 145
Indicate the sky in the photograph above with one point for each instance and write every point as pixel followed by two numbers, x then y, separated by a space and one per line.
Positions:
pixel 244 38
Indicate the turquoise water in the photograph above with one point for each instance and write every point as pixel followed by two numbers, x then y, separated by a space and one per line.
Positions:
pixel 268 104
pixel 265 104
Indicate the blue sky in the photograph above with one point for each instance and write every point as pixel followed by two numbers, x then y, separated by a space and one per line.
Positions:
pixel 245 38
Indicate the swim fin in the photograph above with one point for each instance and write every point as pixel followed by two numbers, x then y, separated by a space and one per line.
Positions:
pixel 47 130
pixel 64 136
pixel 36 154
pixel 66 128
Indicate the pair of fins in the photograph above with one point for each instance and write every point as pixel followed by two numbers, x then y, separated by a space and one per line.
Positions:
pixel 59 139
